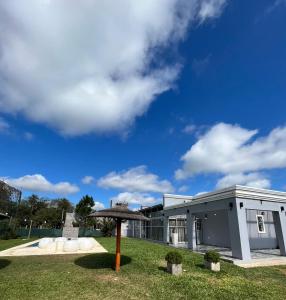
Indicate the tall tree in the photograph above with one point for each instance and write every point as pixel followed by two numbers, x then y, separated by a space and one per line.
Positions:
pixel 84 208
pixel 64 204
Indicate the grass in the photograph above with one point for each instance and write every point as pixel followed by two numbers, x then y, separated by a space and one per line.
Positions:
pixel 5 244
pixel 142 276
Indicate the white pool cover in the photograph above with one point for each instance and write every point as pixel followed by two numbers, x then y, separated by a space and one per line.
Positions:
pixel 50 246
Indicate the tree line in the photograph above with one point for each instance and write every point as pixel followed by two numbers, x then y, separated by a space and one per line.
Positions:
pixel 47 213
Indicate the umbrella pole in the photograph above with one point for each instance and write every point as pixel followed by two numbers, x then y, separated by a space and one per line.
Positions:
pixel 118 238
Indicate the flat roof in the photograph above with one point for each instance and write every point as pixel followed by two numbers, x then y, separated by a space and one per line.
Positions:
pixel 238 191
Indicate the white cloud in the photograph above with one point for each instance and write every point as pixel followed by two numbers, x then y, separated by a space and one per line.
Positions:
pixel 134 199
pixel 135 180
pixel 88 179
pixel 4 126
pixel 237 153
pixel 274 5
pixel 38 183
pixel 91 66
pixel 189 129
pixel 251 179
pixel 183 188
pixel 231 149
pixel 98 205
pixel 210 9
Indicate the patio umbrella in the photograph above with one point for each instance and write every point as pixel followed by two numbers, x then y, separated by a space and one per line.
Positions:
pixel 119 213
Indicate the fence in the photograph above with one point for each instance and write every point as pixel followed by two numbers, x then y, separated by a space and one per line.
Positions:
pixel 154 229
pixel 54 232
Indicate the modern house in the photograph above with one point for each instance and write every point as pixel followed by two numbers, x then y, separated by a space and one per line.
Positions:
pixel 238 219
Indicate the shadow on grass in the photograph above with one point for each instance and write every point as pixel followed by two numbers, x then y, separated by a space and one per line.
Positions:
pixel 4 263
pixel 164 269
pixel 100 261
pixel 201 265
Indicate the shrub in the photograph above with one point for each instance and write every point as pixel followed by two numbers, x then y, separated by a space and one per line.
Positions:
pixel 212 256
pixel 8 234
pixel 174 257
pixel 107 226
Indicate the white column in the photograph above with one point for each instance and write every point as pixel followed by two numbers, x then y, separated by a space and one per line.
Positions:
pixel 280 229
pixel 238 232
pixel 191 231
pixel 166 230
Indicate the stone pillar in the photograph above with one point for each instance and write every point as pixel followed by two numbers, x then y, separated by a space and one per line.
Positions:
pixel 280 229
pixel 238 231
pixel 166 230
pixel 191 231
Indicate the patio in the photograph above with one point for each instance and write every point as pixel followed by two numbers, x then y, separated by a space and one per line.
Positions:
pixel 259 257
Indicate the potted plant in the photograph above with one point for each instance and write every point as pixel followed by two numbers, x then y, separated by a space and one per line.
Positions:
pixel 174 262
pixel 212 261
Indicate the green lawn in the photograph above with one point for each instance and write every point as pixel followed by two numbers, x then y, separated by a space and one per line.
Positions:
pixel 142 276
pixel 5 244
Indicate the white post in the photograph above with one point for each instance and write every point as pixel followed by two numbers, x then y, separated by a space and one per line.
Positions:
pixel 30 229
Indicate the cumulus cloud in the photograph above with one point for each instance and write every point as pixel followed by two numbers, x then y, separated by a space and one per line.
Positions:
pixel 251 179
pixel 237 153
pixel 134 199
pixel 231 149
pixel 38 183
pixel 135 180
pixel 98 205
pixel 88 179
pixel 91 66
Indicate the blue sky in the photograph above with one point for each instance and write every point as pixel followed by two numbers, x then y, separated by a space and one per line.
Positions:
pixel 173 96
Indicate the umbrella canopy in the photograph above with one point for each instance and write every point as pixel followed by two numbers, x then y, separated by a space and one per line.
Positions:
pixel 119 212
pixel 3 216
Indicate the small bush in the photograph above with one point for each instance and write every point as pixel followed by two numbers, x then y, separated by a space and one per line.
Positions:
pixel 212 256
pixel 107 226
pixel 174 257
pixel 8 234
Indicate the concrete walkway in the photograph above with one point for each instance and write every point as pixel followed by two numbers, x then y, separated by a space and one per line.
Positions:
pixel 259 258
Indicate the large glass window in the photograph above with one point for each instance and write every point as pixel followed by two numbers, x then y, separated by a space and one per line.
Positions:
pixel 260 223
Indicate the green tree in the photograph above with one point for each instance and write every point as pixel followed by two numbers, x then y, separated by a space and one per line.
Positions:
pixel 48 218
pixel 64 204
pixel 83 209
pixel 35 203
pixel 107 226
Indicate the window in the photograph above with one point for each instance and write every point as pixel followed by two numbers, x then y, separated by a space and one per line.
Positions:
pixel 198 224
pixel 260 223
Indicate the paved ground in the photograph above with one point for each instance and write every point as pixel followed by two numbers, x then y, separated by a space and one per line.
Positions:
pixel 28 249
pixel 260 258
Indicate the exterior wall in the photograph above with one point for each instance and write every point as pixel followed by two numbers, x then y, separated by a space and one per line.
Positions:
pixel 258 240
pixel 215 229
pixel 228 220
